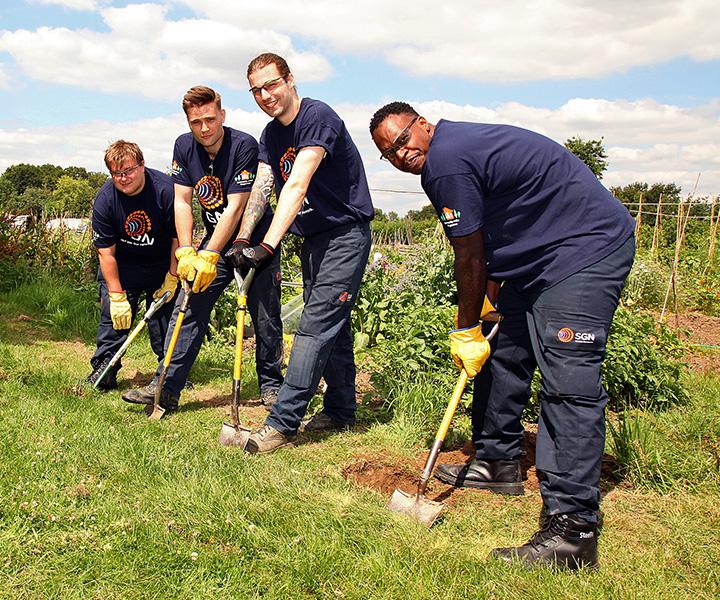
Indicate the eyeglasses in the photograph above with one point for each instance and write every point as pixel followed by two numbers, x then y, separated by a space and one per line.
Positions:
pixel 269 86
pixel 125 173
pixel 400 141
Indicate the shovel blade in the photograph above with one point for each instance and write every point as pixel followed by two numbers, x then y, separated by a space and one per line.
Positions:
pixel 418 507
pixel 231 436
pixel 154 412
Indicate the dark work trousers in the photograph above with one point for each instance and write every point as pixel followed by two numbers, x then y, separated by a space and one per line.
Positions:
pixel 264 309
pixel 333 264
pixel 110 339
pixel 563 331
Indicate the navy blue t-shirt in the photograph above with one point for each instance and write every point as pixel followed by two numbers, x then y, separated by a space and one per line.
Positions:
pixel 141 227
pixel 232 171
pixel 543 213
pixel 338 193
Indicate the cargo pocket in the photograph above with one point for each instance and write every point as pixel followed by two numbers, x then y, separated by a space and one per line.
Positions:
pixel 571 357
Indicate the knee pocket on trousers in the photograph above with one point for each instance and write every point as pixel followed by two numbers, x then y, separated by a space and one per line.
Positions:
pixel 303 362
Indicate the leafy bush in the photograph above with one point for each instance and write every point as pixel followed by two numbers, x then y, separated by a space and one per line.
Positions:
pixel 646 285
pixel 705 295
pixel 29 251
pixel 643 366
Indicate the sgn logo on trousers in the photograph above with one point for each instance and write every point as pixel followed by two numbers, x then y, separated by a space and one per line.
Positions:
pixel 567 335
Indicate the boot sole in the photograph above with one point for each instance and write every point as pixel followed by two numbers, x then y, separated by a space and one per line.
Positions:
pixel 132 400
pixel 285 445
pixel 554 565
pixel 507 489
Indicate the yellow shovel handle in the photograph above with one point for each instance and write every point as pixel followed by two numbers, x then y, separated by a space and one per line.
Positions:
pixel 239 331
pixel 173 339
pixel 452 406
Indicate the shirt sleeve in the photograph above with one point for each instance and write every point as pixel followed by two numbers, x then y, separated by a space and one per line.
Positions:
pixel 102 222
pixel 180 174
pixel 319 129
pixel 167 195
pixel 245 164
pixel 262 149
pixel 459 203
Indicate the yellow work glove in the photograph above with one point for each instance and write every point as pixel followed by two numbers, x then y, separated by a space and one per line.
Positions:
pixel 469 349
pixel 185 268
pixel 205 269
pixel 169 285
pixel 486 308
pixel 120 311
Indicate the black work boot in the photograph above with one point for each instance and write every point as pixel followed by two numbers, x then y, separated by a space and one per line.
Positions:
pixel 499 476
pixel 566 541
pixel 109 382
pixel 143 395
pixel 168 401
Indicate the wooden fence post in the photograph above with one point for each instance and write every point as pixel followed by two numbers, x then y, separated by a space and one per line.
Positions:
pixel 638 222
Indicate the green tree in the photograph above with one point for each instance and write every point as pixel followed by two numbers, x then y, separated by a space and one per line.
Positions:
pixel 591 152
pixel 426 213
pixel 72 197
pixel 17 178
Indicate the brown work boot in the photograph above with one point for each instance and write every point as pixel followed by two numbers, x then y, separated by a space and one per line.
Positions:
pixel 268 439
pixel 268 397
pixel 143 395
pixel 323 422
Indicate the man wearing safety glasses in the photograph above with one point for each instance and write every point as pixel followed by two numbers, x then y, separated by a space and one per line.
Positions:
pixel 307 154
pixel 134 233
pixel 520 208
pixel 215 165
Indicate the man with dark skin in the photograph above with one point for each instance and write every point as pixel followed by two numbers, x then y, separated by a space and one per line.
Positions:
pixel 522 209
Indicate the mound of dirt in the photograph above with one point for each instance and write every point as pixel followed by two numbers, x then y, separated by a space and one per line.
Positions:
pixel 385 475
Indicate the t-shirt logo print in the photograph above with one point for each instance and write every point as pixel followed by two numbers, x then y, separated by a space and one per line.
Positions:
pixel 137 223
pixel 287 161
pixel 449 217
pixel 209 192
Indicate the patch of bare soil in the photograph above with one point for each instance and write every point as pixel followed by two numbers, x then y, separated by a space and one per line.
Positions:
pixel 385 475
pixel 699 330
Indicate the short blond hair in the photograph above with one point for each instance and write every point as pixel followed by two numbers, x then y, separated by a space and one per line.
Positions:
pixel 120 151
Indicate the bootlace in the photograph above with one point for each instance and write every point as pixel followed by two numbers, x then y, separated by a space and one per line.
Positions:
pixel 266 430
pixel 553 526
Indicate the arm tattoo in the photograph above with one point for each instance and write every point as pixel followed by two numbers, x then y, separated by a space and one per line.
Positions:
pixel 257 203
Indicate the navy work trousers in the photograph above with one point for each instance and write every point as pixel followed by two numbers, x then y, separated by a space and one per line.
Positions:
pixel 333 264
pixel 110 339
pixel 562 331
pixel 264 309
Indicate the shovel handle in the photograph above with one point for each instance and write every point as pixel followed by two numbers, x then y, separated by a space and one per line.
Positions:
pixel 447 418
pixel 171 348
pixel 152 309
pixel 243 286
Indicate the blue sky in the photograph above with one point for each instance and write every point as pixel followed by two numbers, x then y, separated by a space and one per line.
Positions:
pixel 77 74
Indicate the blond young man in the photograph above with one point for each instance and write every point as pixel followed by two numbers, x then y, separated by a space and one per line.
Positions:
pixel 134 233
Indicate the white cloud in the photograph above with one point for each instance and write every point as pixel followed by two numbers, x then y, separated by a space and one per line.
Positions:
pixel 148 54
pixel 6 81
pixel 145 54
pixel 72 4
pixel 496 41
pixel 645 141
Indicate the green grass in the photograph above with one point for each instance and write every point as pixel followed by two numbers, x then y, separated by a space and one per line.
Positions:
pixel 99 502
